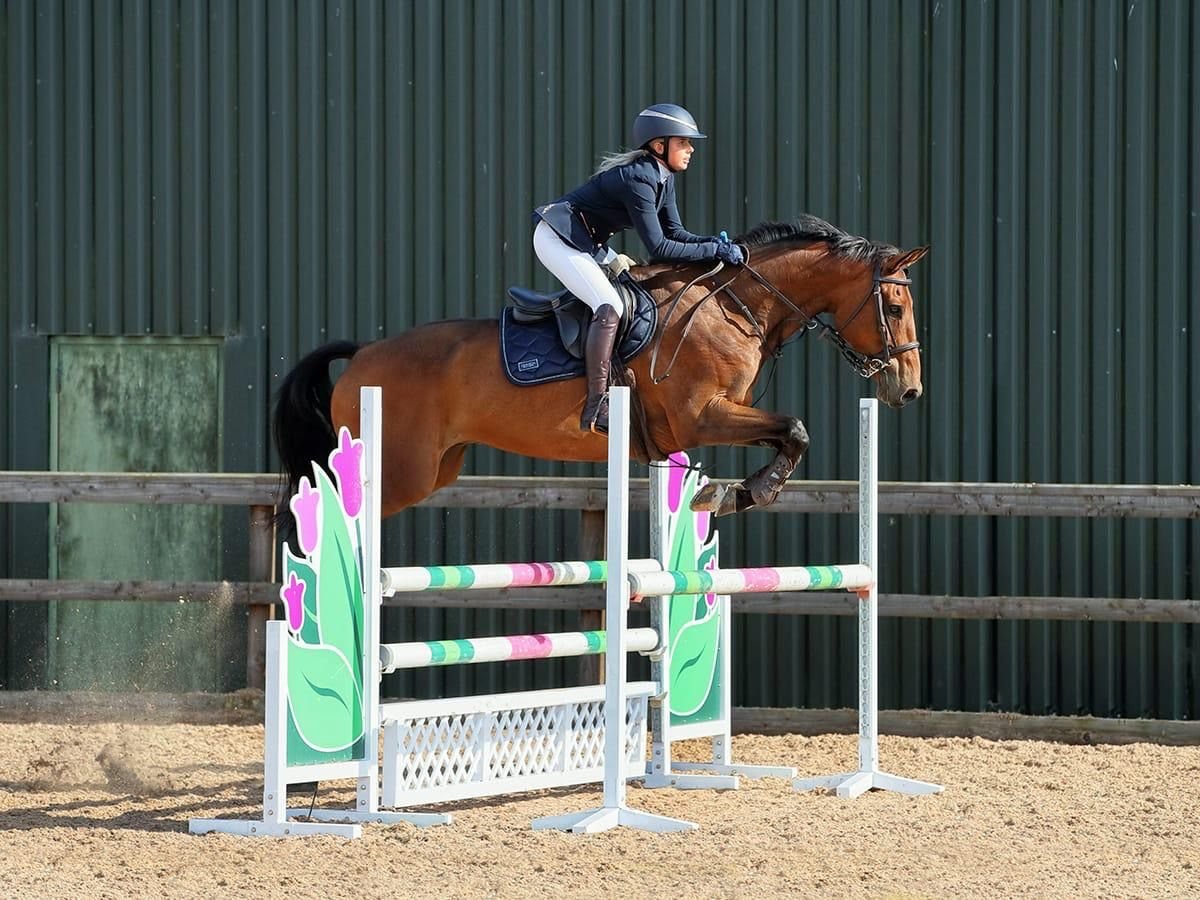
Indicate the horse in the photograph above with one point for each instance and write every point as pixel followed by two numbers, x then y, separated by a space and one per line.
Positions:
pixel 444 390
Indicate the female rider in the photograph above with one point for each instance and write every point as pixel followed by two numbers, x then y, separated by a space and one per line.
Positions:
pixel 629 190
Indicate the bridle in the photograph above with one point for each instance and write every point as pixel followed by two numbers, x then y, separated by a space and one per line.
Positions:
pixel 865 364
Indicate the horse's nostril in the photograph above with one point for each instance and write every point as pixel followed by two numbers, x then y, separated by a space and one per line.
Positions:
pixel 910 395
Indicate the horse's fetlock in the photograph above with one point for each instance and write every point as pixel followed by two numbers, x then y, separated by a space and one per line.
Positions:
pixel 799 436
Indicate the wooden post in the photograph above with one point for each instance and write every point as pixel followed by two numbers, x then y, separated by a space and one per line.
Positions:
pixel 591 546
pixel 262 568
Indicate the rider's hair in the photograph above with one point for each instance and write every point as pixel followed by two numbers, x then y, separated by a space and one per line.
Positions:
pixel 612 160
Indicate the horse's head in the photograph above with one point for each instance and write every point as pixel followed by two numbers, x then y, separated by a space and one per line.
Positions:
pixel 877 328
pixel 813 275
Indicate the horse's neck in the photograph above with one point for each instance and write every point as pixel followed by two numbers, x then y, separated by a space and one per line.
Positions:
pixel 812 279
pixel 797 275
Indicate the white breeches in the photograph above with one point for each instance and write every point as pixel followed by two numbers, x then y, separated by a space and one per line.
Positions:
pixel 579 272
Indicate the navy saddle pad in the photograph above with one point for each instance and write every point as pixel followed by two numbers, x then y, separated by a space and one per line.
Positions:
pixel 533 352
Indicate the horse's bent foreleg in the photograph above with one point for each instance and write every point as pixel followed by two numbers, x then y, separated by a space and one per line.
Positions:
pixel 725 422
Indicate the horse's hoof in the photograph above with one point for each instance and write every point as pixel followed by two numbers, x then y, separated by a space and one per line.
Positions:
pixel 737 499
pixel 708 498
pixel 722 499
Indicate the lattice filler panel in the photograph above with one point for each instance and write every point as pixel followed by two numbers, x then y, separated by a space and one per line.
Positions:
pixel 437 751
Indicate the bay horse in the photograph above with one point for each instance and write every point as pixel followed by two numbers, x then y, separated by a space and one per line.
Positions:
pixel 444 390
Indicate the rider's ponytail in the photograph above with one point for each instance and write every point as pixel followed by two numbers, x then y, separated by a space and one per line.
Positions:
pixel 612 160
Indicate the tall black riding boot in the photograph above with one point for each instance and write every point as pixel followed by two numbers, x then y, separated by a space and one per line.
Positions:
pixel 597 353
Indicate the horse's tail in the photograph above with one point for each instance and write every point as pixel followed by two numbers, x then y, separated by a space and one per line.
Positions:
pixel 302 426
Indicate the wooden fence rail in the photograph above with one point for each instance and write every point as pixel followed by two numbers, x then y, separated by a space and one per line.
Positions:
pixel 259 493
pixel 933 498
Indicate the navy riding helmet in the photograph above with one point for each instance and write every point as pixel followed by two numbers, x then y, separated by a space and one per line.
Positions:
pixel 663 120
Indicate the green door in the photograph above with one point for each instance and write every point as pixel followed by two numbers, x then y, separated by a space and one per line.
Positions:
pixel 137 405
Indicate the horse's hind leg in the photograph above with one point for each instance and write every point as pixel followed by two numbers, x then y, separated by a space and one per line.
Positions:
pixel 411 478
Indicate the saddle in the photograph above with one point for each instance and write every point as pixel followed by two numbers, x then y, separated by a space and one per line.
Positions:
pixel 542 336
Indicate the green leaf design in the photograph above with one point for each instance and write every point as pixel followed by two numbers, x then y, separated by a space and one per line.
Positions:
pixel 693 628
pixel 693 664
pixel 339 589
pixel 309 633
pixel 325 697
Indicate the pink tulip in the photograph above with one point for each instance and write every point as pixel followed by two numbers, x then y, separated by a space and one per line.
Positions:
pixel 304 508
pixel 347 467
pixel 676 474
pixel 293 598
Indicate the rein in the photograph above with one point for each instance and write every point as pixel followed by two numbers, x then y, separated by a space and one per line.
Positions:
pixel 674 301
pixel 866 365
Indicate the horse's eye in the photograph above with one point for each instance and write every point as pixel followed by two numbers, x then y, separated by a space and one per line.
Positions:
pixel 895 310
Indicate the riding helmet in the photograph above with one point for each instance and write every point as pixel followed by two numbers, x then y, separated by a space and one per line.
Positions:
pixel 663 120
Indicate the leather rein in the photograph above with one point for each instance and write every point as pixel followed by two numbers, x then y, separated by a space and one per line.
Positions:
pixel 866 365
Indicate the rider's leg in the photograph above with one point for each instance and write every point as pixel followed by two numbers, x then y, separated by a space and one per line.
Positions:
pixel 578 271
pixel 583 277
pixel 598 351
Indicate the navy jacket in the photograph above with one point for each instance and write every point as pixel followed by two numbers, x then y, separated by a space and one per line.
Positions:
pixel 628 196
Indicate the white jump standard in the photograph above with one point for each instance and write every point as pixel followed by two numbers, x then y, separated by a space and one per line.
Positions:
pixel 851 784
pixel 615 812
pixel 283 762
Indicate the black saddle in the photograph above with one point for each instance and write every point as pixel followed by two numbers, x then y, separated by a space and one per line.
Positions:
pixel 542 336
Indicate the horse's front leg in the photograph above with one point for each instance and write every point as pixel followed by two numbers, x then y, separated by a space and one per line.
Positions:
pixel 726 423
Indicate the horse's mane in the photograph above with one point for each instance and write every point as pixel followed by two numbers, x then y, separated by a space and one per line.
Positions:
pixel 810 228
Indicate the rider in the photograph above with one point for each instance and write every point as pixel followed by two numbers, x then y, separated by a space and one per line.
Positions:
pixel 634 189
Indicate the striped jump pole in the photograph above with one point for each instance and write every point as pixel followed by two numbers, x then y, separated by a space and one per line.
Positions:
pixel 411 579
pixel 850 784
pixel 420 654
pixel 751 581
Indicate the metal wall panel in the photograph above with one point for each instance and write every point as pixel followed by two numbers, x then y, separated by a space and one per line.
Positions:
pixel 284 173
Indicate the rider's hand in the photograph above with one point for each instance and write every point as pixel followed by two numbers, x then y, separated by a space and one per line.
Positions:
pixel 620 265
pixel 730 253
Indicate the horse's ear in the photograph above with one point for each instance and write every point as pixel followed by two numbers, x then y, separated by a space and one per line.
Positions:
pixel 904 260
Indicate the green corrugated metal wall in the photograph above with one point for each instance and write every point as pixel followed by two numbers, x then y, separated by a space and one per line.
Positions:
pixel 279 174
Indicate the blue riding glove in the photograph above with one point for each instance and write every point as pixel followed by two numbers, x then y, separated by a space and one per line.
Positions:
pixel 730 253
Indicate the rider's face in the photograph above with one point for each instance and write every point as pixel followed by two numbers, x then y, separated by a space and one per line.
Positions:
pixel 678 152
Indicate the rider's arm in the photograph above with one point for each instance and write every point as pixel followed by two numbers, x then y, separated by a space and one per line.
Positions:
pixel 640 204
pixel 672 226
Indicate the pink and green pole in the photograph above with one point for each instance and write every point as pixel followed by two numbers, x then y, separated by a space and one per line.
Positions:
pixel 501 575
pixel 853 577
pixel 418 654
